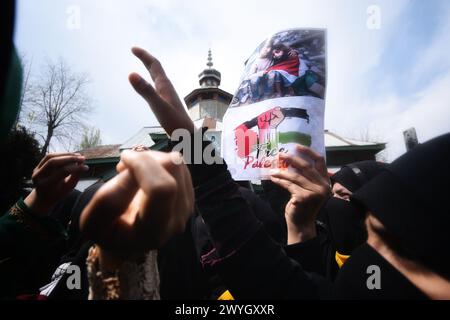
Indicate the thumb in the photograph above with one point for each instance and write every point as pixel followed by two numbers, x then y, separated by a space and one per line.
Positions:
pixel 107 205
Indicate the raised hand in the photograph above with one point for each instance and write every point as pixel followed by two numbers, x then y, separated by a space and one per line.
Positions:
pixel 54 178
pixel 143 206
pixel 162 99
pixel 270 119
pixel 309 187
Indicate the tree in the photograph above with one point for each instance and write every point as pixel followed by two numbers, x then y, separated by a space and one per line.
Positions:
pixel 57 103
pixel 27 67
pixel 91 138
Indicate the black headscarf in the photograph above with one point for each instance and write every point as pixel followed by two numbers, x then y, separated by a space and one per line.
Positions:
pixel 410 198
pixel 352 280
pixel 344 220
pixel 353 176
pixel 345 224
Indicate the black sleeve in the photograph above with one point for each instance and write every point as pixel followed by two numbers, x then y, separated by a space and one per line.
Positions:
pixel 316 255
pixel 252 265
pixel 308 254
pixel 30 248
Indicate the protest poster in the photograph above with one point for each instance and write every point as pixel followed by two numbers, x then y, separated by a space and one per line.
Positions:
pixel 280 102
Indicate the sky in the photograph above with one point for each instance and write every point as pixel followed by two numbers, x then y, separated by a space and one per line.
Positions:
pixel 388 60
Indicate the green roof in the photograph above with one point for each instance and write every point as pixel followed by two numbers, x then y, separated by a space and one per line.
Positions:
pixel 376 147
pixel 111 160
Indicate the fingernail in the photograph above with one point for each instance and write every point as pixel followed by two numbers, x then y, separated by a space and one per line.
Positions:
pixel 85 168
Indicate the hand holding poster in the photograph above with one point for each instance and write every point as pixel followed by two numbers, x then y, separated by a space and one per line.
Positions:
pixel 280 102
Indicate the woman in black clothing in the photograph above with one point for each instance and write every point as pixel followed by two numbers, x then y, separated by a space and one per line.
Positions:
pixel 253 266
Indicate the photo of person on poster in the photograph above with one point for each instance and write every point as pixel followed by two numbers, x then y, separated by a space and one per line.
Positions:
pixel 291 63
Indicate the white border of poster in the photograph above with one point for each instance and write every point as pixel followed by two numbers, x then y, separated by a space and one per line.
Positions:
pixel 280 102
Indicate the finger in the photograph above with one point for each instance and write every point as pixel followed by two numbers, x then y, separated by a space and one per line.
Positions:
pixel 174 164
pixel 64 172
pixel 303 166
pixel 183 199
pixel 299 180
pixel 286 184
pixel 161 214
pixel 167 160
pixel 146 90
pixel 120 167
pixel 149 173
pixel 150 62
pixel 55 163
pixel 163 85
pixel 178 168
pixel 54 155
pixel 72 181
pixel 159 106
pixel 297 161
pixel 319 161
pixel 107 205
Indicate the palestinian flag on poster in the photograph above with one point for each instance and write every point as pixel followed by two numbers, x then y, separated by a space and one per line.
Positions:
pixel 280 102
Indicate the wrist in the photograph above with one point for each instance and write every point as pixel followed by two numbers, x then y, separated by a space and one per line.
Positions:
pixel 297 234
pixel 35 205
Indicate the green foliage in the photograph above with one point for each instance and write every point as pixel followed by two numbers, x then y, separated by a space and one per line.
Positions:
pixel 91 138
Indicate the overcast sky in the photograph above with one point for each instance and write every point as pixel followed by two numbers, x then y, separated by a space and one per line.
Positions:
pixel 380 80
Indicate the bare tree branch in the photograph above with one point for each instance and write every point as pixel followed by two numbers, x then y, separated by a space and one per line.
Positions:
pixel 59 103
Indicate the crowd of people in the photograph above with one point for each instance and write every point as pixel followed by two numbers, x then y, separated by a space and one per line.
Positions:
pixel 164 228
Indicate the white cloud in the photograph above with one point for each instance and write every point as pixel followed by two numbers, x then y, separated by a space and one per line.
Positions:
pixel 387 115
pixel 428 112
pixel 435 57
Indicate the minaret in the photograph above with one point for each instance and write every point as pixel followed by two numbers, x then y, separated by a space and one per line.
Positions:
pixel 208 104
pixel 209 77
